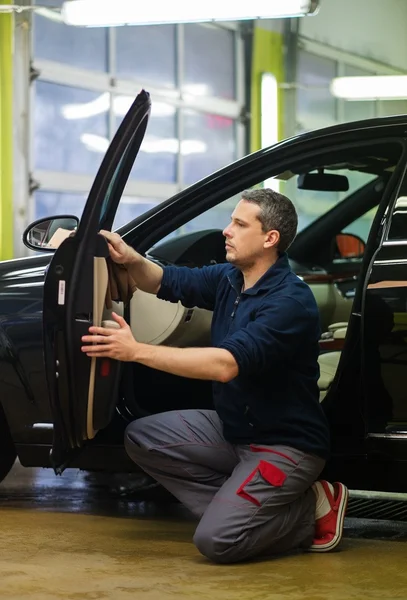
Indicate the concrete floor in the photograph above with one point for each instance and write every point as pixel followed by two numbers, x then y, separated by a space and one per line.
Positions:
pixel 85 537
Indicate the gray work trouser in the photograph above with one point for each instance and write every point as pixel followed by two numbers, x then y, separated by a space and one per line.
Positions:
pixel 251 500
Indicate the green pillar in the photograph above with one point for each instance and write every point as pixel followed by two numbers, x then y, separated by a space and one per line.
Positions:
pixel 267 57
pixel 6 133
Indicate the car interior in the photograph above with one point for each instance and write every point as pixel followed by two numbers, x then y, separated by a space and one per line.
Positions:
pixel 336 200
pixel 327 254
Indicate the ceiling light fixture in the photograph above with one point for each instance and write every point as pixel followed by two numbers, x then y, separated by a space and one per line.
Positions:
pixel 381 87
pixel 269 118
pixel 98 13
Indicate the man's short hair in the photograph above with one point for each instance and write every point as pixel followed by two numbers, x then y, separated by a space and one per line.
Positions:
pixel 276 212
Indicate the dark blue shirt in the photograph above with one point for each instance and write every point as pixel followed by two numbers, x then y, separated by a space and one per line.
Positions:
pixel 272 330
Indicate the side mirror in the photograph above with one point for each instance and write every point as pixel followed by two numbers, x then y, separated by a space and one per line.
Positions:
pixel 349 246
pixel 48 234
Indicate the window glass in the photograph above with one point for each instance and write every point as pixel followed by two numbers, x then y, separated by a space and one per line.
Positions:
pixel 387 108
pixel 218 217
pixel 361 227
pixel 70 128
pixel 83 47
pixel 158 156
pixel 209 143
pixel 48 203
pixel 131 207
pixel 147 54
pixel 310 204
pixel 361 109
pixel 316 107
pixel 209 61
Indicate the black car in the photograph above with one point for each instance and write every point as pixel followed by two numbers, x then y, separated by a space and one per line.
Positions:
pixel 60 408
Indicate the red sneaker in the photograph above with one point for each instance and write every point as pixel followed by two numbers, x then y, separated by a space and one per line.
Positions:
pixel 332 501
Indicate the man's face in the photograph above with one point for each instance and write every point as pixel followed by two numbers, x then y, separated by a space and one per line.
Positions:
pixel 246 242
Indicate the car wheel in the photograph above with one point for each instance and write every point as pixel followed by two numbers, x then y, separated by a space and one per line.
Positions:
pixel 8 452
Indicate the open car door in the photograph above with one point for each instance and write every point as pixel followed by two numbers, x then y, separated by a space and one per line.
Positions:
pixel 83 391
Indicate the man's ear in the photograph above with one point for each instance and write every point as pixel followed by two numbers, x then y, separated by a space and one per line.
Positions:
pixel 272 239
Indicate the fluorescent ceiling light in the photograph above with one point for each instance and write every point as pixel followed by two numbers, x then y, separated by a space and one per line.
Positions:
pixel 101 105
pixel 151 145
pixel 269 118
pixel 196 89
pixel 269 110
pixel 154 145
pixel 105 13
pixel 95 143
pixel 73 112
pixel 382 87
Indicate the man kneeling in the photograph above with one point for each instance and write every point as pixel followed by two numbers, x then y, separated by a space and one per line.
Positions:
pixel 248 469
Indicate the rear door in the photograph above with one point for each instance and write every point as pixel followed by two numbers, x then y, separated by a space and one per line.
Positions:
pixel 384 352
pixel 83 391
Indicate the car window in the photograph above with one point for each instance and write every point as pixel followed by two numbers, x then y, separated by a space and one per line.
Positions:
pixel 310 205
pixel 362 225
pixel 112 185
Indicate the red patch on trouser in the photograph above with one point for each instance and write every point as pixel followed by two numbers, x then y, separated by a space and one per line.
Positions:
pixel 270 473
pixel 254 448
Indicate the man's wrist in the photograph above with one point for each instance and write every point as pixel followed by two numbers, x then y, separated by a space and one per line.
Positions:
pixel 134 259
pixel 139 351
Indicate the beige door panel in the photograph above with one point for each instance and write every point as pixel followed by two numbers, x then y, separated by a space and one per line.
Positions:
pixel 101 316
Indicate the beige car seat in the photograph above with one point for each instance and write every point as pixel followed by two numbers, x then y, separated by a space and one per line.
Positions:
pixel 328 361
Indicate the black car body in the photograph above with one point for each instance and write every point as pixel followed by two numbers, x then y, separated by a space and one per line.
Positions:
pixel 59 408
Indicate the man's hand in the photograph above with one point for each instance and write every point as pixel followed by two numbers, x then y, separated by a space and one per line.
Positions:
pixel 110 343
pixel 120 252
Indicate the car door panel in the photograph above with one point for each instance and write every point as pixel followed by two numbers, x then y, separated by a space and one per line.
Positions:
pixel 83 391
pixel 100 282
pixel 385 350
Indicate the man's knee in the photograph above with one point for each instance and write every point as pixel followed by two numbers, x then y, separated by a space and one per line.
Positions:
pixel 215 546
pixel 134 436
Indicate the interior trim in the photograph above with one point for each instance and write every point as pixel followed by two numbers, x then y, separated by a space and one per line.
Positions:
pixel 390 243
pixel 328 277
pixel 388 436
pixel 100 281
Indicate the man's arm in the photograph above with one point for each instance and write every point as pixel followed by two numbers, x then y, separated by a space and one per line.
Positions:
pixel 216 364
pixel 191 286
pixel 146 274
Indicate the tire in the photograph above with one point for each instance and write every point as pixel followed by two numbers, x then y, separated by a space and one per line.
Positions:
pixel 8 452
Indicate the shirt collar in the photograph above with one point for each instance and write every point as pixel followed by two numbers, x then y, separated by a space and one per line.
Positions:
pixel 271 278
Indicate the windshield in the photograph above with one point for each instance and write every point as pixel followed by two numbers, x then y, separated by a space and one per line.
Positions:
pixel 311 204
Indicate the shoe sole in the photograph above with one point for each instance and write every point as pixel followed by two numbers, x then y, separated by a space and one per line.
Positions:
pixel 339 525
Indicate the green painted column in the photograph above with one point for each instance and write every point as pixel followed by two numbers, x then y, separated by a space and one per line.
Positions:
pixel 267 57
pixel 6 133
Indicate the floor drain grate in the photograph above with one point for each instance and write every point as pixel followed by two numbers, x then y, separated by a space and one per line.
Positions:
pixel 377 508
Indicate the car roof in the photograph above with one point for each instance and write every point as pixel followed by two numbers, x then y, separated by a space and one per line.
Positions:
pixel 392 122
